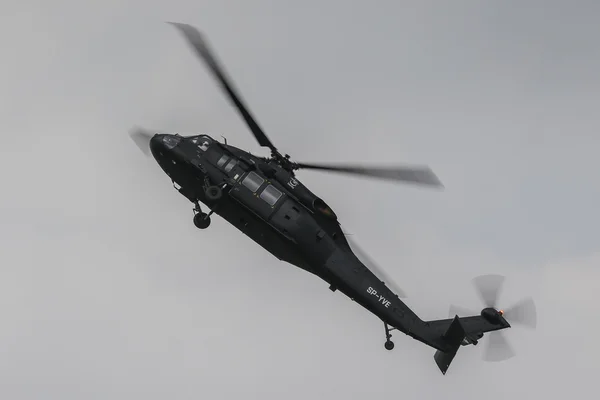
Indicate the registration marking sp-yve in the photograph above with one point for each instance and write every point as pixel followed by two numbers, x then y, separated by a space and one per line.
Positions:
pixel 380 299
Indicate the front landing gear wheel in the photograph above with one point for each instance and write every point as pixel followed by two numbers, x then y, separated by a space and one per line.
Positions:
pixel 201 220
pixel 389 345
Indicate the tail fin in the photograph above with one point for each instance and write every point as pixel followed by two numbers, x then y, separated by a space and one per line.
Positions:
pixel 463 331
pixel 453 337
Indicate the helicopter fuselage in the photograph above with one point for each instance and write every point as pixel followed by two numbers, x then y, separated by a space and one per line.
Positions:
pixel 263 199
pixel 270 206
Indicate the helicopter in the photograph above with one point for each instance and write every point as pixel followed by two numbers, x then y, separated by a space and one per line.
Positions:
pixel 264 200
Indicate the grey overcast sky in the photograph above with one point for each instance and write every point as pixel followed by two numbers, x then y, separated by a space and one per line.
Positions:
pixel 107 291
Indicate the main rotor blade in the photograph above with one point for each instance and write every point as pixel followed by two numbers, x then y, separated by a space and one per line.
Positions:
pixel 418 175
pixel 488 288
pixel 141 138
pixel 497 347
pixel 375 269
pixel 200 45
pixel 524 313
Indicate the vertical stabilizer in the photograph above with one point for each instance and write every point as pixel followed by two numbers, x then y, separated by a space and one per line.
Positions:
pixel 453 339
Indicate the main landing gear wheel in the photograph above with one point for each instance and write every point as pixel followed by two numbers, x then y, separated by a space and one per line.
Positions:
pixel 389 345
pixel 202 220
pixel 213 193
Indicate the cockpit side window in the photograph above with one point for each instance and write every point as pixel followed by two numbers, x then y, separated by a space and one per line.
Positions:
pixel 230 165
pixel 202 142
pixel 226 163
pixel 253 181
pixel 223 160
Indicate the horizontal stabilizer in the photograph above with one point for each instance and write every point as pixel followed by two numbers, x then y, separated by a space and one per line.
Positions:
pixel 453 338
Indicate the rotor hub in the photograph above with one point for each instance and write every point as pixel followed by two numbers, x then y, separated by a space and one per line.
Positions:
pixel 492 315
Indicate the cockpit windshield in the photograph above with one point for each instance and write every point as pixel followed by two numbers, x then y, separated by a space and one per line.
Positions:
pixel 171 141
pixel 202 142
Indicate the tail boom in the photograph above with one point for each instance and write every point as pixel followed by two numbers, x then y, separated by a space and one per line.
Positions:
pixel 345 272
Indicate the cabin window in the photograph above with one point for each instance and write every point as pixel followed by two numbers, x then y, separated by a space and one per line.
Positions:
pixel 253 181
pixel 222 161
pixel 230 166
pixel 271 195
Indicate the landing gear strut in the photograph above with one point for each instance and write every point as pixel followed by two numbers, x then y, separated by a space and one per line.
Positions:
pixel 213 194
pixel 389 345
pixel 201 219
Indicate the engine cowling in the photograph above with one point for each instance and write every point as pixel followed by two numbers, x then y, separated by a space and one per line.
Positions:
pixel 304 195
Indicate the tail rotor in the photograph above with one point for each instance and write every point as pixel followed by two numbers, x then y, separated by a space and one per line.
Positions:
pixel 489 288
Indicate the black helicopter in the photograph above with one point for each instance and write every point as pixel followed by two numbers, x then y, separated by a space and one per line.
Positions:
pixel 262 198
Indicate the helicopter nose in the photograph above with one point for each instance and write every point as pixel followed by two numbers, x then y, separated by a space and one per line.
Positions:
pixel 162 143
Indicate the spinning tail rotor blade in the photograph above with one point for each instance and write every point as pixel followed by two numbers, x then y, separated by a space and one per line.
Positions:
pixel 523 313
pixel 142 138
pixel 202 49
pixel 417 175
pixel 497 348
pixel 488 288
